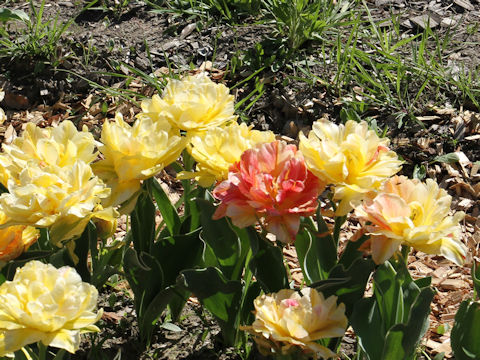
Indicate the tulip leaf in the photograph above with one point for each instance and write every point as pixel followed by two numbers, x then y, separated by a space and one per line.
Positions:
pixel 152 312
pixel 82 246
pixel 476 279
pixel 219 295
pixel 352 252
pixel 267 263
pixel 145 277
pixel 168 211
pixel 143 224
pixel 367 324
pixel 316 254
pixel 389 294
pixel 177 253
pixel 466 331
pixel 226 250
pixel 402 339
pixel 348 284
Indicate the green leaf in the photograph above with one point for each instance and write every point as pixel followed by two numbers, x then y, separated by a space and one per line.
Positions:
pixel 351 252
pixel 402 339
pixel 267 263
pixel 227 251
pixel 466 331
pixel 143 224
pixel 156 306
pixel 145 277
pixel 219 295
pixel 348 284
pixel 476 279
pixel 368 326
pixel 389 294
pixel 168 211
pixel 7 15
pixel 447 158
pixel 316 253
pixel 82 247
pixel 177 253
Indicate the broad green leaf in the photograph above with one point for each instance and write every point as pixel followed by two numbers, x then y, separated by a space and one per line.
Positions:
pixel 219 296
pixel 145 277
pixel 466 331
pixel 316 252
pixel 388 291
pixel 402 340
pixel 177 253
pixel 155 307
pixel 227 252
pixel 168 211
pixel 267 263
pixel 143 223
pixel 368 326
pixel 348 284
pixel 351 252
pixel 82 247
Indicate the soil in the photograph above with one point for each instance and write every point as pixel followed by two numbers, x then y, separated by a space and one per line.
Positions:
pixel 107 50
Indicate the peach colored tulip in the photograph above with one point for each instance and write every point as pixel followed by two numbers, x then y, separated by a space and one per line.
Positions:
pixel 412 213
pixel 291 320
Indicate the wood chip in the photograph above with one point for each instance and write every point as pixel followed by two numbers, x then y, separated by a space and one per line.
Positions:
pixel 467 5
pixel 424 21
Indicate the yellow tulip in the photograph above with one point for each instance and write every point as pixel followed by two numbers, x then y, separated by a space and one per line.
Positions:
pixel 350 157
pixel 14 240
pixel 135 153
pixel 60 146
pixel 412 213
pixel 219 148
pixel 61 199
pixel 291 320
pixel 46 304
pixel 194 103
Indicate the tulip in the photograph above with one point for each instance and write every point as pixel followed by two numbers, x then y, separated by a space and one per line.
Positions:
pixel 413 213
pixel 350 157
pixel 60 146
pixel 135 153
pixel 270 182
pixel 218 148
pixel 291 320
pixel 15 240
pixel 61 199
pixel 194 103
pixel 46 304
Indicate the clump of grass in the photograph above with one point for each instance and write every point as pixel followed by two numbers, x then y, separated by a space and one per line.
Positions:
pixel 32 38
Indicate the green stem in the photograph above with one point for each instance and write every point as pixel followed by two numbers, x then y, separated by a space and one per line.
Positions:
pixel 405 251
pixel 339 221
pixel 42 351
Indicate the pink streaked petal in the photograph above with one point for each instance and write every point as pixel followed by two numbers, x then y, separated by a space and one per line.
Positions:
pixel 285 227
pixel 383 248
pixel 242 216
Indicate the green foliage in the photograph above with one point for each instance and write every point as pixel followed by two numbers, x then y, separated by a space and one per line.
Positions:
pixel 466 331
pixel 301 20
pixel 391 323
pixel 36 41
pixel 154 263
